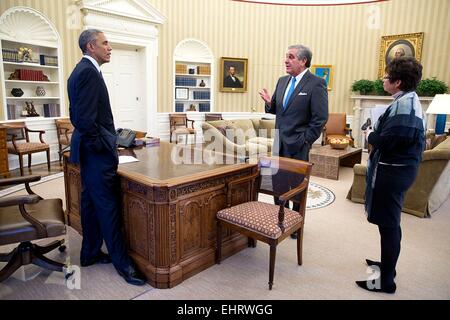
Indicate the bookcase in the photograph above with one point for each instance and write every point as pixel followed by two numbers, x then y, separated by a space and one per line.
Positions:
pixel 30 77
pixel 192 86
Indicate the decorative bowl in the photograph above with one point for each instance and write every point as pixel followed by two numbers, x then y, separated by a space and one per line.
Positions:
pixel 342 145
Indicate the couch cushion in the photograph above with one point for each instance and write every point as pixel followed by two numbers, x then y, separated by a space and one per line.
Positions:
pixel 268 125
pixel 247 127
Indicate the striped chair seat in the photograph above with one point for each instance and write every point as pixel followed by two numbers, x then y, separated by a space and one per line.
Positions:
pixel 259 217
pixel 28 147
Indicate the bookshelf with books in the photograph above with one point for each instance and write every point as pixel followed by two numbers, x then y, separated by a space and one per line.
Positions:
pixel 192 86
pixel 31 78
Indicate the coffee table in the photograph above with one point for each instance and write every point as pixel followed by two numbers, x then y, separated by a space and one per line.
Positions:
pixel 326 160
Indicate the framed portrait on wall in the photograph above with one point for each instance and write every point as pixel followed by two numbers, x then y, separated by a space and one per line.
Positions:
pixel 325 72
pixel 409 45
pixel 233 75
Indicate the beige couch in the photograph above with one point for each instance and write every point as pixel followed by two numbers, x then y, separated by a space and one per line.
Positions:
pixel 245 137
pixel 430 189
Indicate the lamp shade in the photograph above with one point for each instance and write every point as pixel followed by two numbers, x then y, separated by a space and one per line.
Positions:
pixel 440 104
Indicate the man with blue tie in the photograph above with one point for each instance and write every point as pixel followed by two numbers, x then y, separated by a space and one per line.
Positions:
pixel 300 103
pixel 93 147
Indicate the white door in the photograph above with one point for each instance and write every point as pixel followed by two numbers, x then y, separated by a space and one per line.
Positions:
pixel 124 77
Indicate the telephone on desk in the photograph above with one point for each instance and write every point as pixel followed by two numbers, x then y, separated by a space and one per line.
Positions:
pixel 125 137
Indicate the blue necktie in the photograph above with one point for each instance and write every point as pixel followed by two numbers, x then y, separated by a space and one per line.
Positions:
pixel 289 94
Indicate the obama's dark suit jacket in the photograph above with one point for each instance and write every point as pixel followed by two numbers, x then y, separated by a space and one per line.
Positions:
pixel 301 122
pixel 93 146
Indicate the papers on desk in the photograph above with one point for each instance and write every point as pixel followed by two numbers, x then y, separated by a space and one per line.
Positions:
pixel 127 159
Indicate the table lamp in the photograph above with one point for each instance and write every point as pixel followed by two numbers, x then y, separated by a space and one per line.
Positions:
pixel 440 106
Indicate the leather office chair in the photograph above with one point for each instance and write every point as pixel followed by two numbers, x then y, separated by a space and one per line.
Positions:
pixel 213 116
pixel 26 218
pixel 283 177
pixel 336 127
pixel 64 130
pixel 17 131
pixel 179 125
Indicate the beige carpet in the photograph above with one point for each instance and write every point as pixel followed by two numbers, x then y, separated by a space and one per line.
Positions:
pixel 337 240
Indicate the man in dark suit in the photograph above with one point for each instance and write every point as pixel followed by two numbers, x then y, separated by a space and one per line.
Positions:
pixel 93 147
pixel 300 103
pixel 231 81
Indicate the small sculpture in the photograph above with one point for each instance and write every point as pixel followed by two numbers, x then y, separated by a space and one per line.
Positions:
pixel 17 92
pixel 31 111
pixel 202 83
pixel 40 91
pixel 15 75
pixel 192 108
pixel 25 54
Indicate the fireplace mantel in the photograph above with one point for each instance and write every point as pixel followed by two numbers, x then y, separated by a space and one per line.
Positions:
pixel 361 103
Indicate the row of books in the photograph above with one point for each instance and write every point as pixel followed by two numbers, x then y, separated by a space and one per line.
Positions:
pixel 14 111
pixel 204 107
pixel 10 55
pixel 202 95
pixel 185 81
pixel 52 110
pixel 30 75
pixel 48 60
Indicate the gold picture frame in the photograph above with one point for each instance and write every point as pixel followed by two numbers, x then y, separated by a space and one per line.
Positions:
pixel 324 71
pixel 227 83
pixel 409 44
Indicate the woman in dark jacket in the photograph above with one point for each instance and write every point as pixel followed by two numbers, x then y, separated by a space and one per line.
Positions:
pixel 397 142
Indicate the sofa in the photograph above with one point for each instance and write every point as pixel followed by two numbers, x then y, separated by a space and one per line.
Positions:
pixel 245 137
pixel 430 189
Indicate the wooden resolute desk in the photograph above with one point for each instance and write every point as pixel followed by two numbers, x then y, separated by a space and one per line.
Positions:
pixel 169 211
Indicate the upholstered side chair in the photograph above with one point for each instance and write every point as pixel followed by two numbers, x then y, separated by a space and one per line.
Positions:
pixel 179 126
pixel 288 179
pixel 64 130
pixel 336 127
pixel 17 135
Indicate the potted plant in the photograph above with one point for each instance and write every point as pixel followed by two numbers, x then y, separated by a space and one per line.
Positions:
pixel 431 87
pixel 378 88
pixel 363 86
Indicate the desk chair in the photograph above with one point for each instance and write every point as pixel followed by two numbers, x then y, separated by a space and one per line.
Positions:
pixel 336 127
pixel 283 177
pixel 17 131
pixel 179 125
pixel 26 218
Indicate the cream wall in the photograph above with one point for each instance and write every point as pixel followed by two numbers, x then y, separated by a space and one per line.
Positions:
pixel 337 35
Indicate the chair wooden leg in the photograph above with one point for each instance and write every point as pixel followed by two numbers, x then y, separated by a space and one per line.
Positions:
pixel 48 159
pixel 29 160
pixel 14 263
pixel 219 243
pixel 21 164
pixel 60 152
pixel 300 246
pixel 273 252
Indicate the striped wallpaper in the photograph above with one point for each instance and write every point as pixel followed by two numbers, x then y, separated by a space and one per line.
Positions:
pixel 347 37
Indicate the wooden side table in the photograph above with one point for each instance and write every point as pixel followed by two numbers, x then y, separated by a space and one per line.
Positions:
pixel 327 160
pixel 4 167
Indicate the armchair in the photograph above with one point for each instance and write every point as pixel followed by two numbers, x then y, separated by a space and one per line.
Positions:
pixel 179 125
pixel 64 130
pixel 286 178
pixel 26 218
pixel 336 128
pixel 18 131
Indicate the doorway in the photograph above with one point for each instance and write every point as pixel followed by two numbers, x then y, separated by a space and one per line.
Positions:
pixel 124 78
